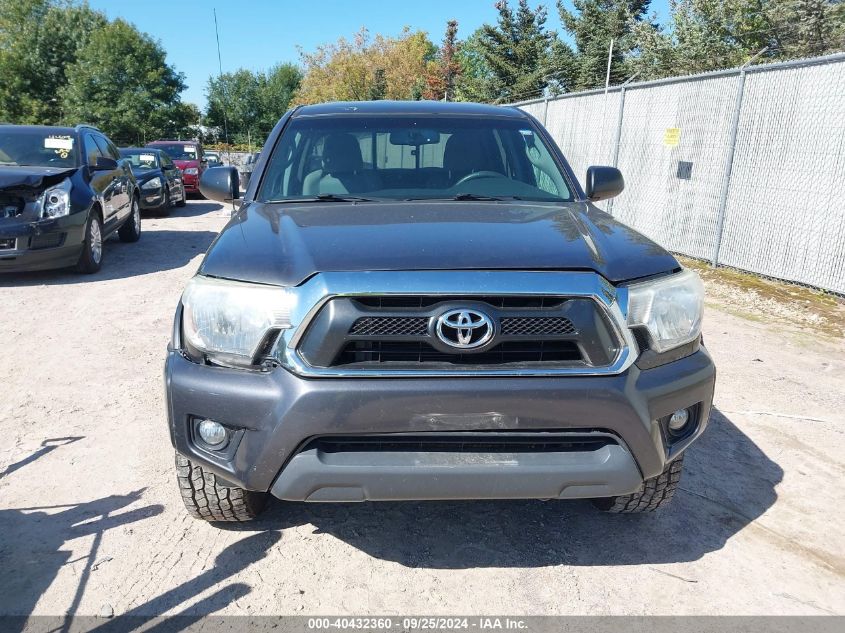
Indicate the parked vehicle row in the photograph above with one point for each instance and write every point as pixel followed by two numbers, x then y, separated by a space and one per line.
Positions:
pixel 159 179
pixel 64 190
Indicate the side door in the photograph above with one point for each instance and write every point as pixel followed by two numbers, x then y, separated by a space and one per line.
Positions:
pixel 102 181
pixel 124 180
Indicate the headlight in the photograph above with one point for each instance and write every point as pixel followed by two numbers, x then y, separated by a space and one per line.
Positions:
pixel 152 183
pixel 191 171
pixel 229 320
pixel 670 308
pixel 55 202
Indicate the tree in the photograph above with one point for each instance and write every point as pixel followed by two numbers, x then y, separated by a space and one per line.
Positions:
pixel 250 103
pixel 519 52
pixel 38 40
pixel 475 80
pixel 708 35
pixel 121 81
pixel 593 25
pixel 364 68
pixel 445 71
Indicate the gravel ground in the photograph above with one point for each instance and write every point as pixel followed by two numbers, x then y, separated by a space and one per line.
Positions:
pixel 91 522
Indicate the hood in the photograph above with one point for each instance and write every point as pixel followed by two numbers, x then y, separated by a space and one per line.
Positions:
pixel 284 244
pixel 143 175
pixel 12 177
pixel 184 164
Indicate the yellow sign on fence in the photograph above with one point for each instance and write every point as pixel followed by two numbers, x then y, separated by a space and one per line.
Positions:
pixel 672 136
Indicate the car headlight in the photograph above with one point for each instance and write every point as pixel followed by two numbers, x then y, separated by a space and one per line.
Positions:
pixel 191 171
pixel 152 183
pixel 230 320
pixel 55 201
pixel 670 308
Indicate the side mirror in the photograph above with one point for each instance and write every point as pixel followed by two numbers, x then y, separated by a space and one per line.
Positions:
pixel 105 163
pixel 604 183
pixel 220 184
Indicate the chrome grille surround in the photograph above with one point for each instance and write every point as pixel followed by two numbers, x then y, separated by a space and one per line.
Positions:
pixel 312 295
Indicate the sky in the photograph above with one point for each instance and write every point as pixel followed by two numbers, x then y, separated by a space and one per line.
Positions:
pixel 257 34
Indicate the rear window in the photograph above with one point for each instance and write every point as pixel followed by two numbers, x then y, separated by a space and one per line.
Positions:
pixel 413 157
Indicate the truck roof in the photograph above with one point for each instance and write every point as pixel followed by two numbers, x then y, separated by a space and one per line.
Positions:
pixel 408 107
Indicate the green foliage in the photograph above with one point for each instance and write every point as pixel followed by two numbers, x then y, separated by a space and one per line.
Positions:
pixel 521 55
pixel 712 34
pixel 593 25
pixel 367 68
pixel 62 62
pixel 121 82
pixel 445 71
pixel 250 103
pixel 38 40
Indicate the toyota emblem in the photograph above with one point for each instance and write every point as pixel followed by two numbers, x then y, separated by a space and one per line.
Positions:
pixel 464 329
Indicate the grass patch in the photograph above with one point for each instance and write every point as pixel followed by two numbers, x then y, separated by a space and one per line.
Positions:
pixel 760 299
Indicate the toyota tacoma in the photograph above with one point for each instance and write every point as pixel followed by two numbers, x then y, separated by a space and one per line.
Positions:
pixel 419 301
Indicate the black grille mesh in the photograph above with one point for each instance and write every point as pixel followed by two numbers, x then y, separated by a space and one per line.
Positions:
pixel 537 326
pixel 418 326
pixel 390 326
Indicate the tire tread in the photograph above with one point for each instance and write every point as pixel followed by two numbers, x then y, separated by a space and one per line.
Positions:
pixel 205 498
pixel 653 494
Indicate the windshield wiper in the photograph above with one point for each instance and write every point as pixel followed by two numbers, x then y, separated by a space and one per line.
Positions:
pixel 326 197
pixel 476 196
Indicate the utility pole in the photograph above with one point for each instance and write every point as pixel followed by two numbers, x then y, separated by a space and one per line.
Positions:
pixel 223 90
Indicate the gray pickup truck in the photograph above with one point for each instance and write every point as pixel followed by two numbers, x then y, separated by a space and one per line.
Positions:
pixel 418 300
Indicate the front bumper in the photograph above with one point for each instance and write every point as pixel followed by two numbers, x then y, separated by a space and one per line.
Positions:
pixel 191 183
pixel 152 198
pixel 275 414
pixel 42 244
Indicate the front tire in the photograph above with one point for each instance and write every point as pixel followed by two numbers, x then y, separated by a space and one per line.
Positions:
pixel 164 211
pixel 91 258
pixel 131 229
pixel 654 493
pixel 184 200
pixel 207 499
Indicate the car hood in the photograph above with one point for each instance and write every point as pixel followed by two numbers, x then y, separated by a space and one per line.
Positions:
pixel 143 175
pixel 285 244
pixel 184 164
pixel 13 177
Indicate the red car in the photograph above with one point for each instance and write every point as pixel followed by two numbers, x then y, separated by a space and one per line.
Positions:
pixel 188 157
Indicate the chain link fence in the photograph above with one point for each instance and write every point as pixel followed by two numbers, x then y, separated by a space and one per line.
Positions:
pixel 744 167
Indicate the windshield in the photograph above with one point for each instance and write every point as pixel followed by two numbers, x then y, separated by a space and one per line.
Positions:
pixel 39 148
pixel 179 151
pixel 139 159
pixel 403 157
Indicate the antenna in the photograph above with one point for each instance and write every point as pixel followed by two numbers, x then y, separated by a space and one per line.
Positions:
pixel 223 89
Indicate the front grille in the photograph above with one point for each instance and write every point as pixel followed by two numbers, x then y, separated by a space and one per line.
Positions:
pixel 417 352
pixel 464 443
pixel 390 326
pixel 396 332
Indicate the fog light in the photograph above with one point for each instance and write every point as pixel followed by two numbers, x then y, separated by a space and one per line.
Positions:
pixel 212 433
pixel 678 420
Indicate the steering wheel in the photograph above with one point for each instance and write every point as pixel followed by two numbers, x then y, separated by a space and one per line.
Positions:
pixel 479 174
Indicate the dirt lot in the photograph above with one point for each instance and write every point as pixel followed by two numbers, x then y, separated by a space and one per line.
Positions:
pixel 91 522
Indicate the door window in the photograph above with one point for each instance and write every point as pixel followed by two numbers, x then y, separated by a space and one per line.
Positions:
pixel 92 151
